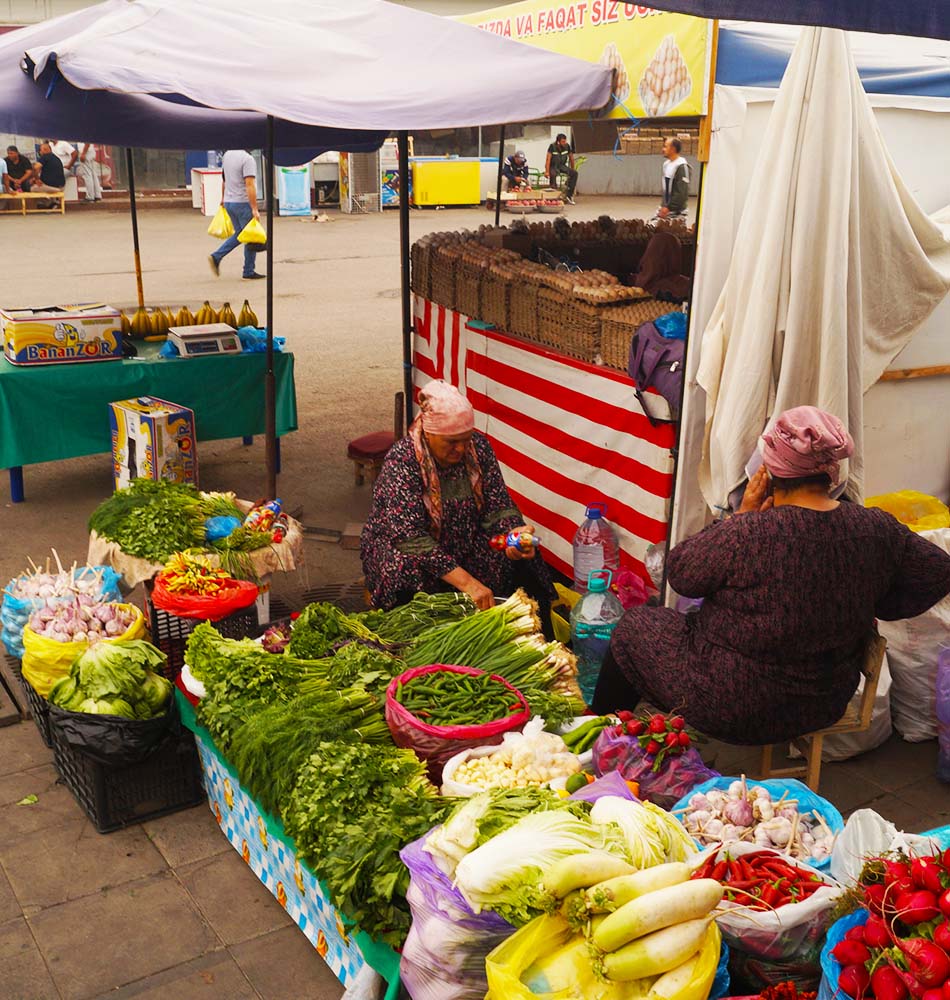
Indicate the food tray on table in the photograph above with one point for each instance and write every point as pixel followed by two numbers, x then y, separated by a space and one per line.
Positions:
pixel 524 310
pixel 469 278
pixel 444 274
pixel 496 291
pixel 618 326
pixel 270 854
pixel 167 780
pixel 420 257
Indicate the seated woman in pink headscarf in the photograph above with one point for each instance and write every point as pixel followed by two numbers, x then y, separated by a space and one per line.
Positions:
pixel 438 500
pixel 791 587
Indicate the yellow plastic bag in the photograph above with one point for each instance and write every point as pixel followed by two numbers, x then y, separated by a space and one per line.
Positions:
pixel 221 226
pixel 567 967
pixel 253 232
pixel 45 661
pixel 918 511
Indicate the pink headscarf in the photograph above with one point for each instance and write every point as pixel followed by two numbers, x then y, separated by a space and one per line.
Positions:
pixel 806 441
pixel 445 411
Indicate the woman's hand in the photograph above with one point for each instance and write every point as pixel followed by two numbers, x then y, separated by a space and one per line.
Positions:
pixel 515 552
pixel 463 581
pixel 756 496
pixel 479 593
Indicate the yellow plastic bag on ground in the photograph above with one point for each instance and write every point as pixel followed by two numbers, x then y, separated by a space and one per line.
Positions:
pixel 253 232
pixel 45 661
pixel 548 956
pixel 918 511
pixel 221 226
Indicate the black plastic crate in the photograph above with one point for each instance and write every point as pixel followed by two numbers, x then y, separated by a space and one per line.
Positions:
pixel 170 632
pixel 39 706
pixel 113 797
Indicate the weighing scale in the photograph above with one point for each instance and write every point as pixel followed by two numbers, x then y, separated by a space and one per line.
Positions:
pixel 206 338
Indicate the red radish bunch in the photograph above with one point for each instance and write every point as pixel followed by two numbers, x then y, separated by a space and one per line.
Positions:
pixel 903 951
pixel 659 736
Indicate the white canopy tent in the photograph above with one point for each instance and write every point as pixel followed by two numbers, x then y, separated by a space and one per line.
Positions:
pixel 816 268
pixel 358 66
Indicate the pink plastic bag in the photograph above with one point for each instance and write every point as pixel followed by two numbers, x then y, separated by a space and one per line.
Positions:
pixel 665 787
pixel 437 744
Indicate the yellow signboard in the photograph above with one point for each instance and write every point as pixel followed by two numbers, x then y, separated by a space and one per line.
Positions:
pixel 661 59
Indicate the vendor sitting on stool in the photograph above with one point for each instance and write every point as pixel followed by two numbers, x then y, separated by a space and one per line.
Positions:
pixel 791 586
pixel 514 174
pixel 438 500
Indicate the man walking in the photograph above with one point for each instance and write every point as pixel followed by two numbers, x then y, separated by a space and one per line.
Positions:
pixel 675 182
pixel 560 160
pixel 240 202
pixel 86 170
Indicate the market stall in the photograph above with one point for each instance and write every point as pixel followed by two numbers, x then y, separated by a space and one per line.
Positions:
pixel 542 352
pixel 84 392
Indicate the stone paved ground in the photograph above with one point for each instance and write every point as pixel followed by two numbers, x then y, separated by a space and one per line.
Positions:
pixel 168 909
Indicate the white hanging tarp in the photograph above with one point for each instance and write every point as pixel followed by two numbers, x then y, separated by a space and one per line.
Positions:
pixel 834 267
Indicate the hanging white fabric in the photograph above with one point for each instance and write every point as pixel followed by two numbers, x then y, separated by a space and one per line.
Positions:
pixel 833 269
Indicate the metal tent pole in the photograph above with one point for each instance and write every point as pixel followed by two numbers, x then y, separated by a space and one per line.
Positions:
pixel 270 387
pixel 135 227
pixel 402 141
pixel 501 162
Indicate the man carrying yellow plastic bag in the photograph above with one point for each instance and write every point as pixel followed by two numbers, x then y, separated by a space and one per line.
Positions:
pixel 240 202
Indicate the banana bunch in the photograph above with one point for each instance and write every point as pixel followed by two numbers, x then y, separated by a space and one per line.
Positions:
pixel 192 573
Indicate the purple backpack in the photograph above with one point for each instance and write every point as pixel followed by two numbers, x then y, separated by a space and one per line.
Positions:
pixel 656 362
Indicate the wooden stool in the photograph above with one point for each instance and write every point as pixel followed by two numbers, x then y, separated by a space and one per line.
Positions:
pixel 856 719
pixel 367 452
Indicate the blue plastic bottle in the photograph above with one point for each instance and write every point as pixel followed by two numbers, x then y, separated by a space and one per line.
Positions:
pixel 596 546
pixel 593 621
pixel 943 714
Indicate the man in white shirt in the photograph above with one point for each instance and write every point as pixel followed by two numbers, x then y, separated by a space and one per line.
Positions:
pixel 240 202
pixel 65 151
pixel 675 182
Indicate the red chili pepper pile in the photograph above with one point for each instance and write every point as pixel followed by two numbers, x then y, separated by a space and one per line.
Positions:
pixel 786 991
pixel 760 880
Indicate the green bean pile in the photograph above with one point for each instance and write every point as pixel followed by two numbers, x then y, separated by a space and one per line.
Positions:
pixel 446 698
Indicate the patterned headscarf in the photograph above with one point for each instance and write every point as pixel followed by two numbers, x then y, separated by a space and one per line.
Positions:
pixel 806 441
pixel 443 411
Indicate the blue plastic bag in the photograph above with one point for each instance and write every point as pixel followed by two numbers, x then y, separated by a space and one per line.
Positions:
pixel 672 325
pixel 807 802
pixel 830 966
pixel 254 340
pixel 220 527
pixel 941 836
pixel 15 611
pixel 722 982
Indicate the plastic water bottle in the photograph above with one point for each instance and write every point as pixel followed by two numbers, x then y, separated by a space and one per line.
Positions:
pixel 593 621
pixel 943 714
pixel 596 546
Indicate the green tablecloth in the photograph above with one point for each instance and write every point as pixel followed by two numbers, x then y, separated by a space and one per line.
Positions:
pixel 48 412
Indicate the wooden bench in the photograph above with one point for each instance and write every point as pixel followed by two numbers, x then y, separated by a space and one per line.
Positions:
pixel 856 719
pixel 24 197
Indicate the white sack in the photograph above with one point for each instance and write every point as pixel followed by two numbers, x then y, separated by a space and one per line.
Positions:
pixel 912 649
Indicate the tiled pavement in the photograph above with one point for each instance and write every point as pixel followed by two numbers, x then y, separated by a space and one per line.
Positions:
pixel 162 911
pixel 169 910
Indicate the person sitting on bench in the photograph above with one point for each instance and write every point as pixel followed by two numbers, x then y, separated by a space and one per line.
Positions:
pixel 48 172
pixel 19 172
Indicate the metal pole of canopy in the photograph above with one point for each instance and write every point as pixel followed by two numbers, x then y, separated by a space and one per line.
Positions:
pixel 135 227
pixel 402 142
pixel 270 386
pixel 501 162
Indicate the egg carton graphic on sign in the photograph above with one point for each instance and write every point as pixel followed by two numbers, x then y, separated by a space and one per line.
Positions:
pixel 666 82
pixel 612 59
